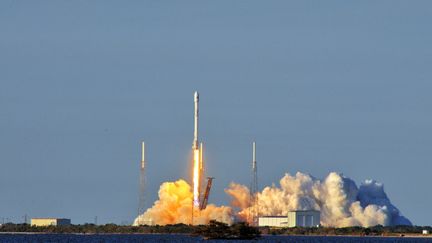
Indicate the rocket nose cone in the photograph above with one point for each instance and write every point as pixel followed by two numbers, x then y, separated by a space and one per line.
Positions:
pixel 196 95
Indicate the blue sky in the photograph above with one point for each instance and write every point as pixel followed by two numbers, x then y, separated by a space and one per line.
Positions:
pixel 321 86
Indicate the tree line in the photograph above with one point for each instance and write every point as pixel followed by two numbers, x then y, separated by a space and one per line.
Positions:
pixel 377 230
pixel 214 230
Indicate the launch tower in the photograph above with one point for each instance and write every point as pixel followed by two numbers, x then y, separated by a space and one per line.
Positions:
pixel 141 206
pixel 254 188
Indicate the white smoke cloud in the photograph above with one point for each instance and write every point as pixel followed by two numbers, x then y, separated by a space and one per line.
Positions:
pixel 338 198
pixel 175 206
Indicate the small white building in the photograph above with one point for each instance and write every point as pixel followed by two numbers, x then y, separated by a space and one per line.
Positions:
pixel 299 218
pixel 49 221
pixel 273 221
pixel 425 232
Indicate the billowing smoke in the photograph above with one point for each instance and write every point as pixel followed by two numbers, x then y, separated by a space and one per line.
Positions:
pixel 338 198
pixel 175 206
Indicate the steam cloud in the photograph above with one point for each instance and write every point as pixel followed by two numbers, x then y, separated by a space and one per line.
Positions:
pixel 175 206
pixel 338 198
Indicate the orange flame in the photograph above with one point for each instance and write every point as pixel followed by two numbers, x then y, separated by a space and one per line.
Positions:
pixel 196 176
pixel 174 207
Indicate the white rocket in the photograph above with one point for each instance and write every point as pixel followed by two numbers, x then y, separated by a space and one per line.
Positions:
pixel 195 144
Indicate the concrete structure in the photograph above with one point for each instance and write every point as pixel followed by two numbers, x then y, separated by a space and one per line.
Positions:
pixel 306 218
pixel 299 218
pixel 425 232
pixel 49 221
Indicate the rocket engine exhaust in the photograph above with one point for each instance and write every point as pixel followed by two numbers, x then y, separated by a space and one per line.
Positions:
pixel 195 141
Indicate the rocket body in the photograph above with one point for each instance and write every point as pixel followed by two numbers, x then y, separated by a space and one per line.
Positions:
pixel 195 143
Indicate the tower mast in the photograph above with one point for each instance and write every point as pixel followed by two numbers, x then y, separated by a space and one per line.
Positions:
pixel 141 206
pixel 254 187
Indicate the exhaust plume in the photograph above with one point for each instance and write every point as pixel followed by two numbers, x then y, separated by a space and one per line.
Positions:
pixel 175 206
pixel 338 198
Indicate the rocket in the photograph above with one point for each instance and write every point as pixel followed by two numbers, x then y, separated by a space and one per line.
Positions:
pixel 195 143
pixel 197 165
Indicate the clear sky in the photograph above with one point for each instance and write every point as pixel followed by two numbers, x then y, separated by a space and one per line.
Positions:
pixel 320 85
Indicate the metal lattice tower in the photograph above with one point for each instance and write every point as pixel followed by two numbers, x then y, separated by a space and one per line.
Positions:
pixel 254 187
pixel 141 206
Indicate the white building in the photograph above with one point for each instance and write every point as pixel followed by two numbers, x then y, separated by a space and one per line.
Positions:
pixel 49 221
pixel 299 218
pixel 304 218
pixel 273 221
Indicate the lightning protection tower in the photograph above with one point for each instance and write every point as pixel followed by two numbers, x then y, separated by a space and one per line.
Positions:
pixel 254 188
pixel 141 206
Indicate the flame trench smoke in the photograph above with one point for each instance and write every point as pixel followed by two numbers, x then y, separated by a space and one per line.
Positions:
pixel 339 200
pixel 174 206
